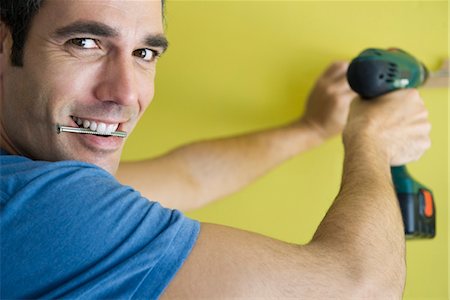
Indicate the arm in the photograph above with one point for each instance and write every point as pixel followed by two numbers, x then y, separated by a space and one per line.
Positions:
pixel 357 252
pixel 195 174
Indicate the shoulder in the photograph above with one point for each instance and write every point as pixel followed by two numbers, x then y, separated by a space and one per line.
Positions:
pixel 18 172
pixel 71 223
pixel 70 186
pixel 11 164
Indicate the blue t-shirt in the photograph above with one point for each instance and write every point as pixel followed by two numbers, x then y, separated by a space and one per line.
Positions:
pixel 70 230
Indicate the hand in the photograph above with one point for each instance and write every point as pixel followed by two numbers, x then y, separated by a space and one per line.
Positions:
pixel 395 123
pixel 329 101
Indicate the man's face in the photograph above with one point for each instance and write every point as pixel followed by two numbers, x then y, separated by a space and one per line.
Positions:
pixel 86 62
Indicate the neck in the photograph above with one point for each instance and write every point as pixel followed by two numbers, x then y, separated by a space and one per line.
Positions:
pixel 5 142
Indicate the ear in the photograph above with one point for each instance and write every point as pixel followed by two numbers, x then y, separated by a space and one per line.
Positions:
pixel 2 35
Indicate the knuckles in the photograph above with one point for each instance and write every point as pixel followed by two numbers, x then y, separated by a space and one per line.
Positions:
pixel 399 120
pixel 340 65
pixel 330 91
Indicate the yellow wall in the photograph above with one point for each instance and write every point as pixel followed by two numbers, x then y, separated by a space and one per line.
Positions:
pixel 239 66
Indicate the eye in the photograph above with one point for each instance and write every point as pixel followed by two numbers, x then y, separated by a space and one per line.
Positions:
pixel 145 54
pixel 84 43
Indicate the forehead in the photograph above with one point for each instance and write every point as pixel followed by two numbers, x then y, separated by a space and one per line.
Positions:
pixel 126 16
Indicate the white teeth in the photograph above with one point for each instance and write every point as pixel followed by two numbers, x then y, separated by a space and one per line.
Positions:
pixel 96 126
pixel 93 126
pixel 110 128
pixel 101 128
pixel 114 127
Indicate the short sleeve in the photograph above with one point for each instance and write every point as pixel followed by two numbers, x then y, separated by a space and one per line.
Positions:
pixel 74 232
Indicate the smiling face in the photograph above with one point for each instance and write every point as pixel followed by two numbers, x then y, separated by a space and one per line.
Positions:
pixel 86 62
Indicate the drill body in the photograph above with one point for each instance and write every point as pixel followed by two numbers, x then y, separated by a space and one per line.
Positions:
pixel 376 72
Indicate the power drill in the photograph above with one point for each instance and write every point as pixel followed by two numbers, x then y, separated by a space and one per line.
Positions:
pixel 375 72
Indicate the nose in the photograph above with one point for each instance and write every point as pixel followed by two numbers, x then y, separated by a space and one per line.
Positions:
pixel 117 82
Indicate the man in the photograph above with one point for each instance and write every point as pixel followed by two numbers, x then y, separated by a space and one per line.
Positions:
pixel 70 230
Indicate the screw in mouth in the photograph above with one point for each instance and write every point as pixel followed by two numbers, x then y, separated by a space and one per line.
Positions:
pixel 60 129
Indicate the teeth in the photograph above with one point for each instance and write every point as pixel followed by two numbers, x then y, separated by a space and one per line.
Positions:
pixel 100 127
pixel 111 128
pixel 114 127
pixel 93 126
pixel 86 124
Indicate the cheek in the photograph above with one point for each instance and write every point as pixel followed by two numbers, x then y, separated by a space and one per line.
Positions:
pixel 80 85
pixel 75 84
pixel 64 90
pixel 25 95
pixel 70 74
pixel 61 82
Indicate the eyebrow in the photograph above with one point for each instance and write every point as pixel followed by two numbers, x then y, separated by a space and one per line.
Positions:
pixel 158 40
pixel 103 30
pixel 86 27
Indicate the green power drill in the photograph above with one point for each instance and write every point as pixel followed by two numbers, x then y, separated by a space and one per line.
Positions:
pixel 373 73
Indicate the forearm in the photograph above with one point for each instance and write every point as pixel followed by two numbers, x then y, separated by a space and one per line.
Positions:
pixel 364 225
pixel 197 173
pixel 223 166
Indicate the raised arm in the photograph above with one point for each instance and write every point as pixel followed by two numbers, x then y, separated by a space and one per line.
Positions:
pixel 357 252
pixel 195 174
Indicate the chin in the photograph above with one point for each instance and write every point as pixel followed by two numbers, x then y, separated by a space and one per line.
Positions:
pixel 108 166
pixel 109 163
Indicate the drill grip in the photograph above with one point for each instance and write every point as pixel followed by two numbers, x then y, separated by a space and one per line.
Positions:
pixel 416 205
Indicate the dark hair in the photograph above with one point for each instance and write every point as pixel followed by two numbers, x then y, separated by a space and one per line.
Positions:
pixel 17 15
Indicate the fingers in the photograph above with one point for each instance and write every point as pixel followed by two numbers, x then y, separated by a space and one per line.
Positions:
pixel 415 144
pixel 329 101
pixel 341 85
pixel 339 89
pixel 336 70
pixel 335 77
pixel 396 122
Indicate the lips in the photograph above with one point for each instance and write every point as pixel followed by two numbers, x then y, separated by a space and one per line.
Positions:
pixel 100 127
